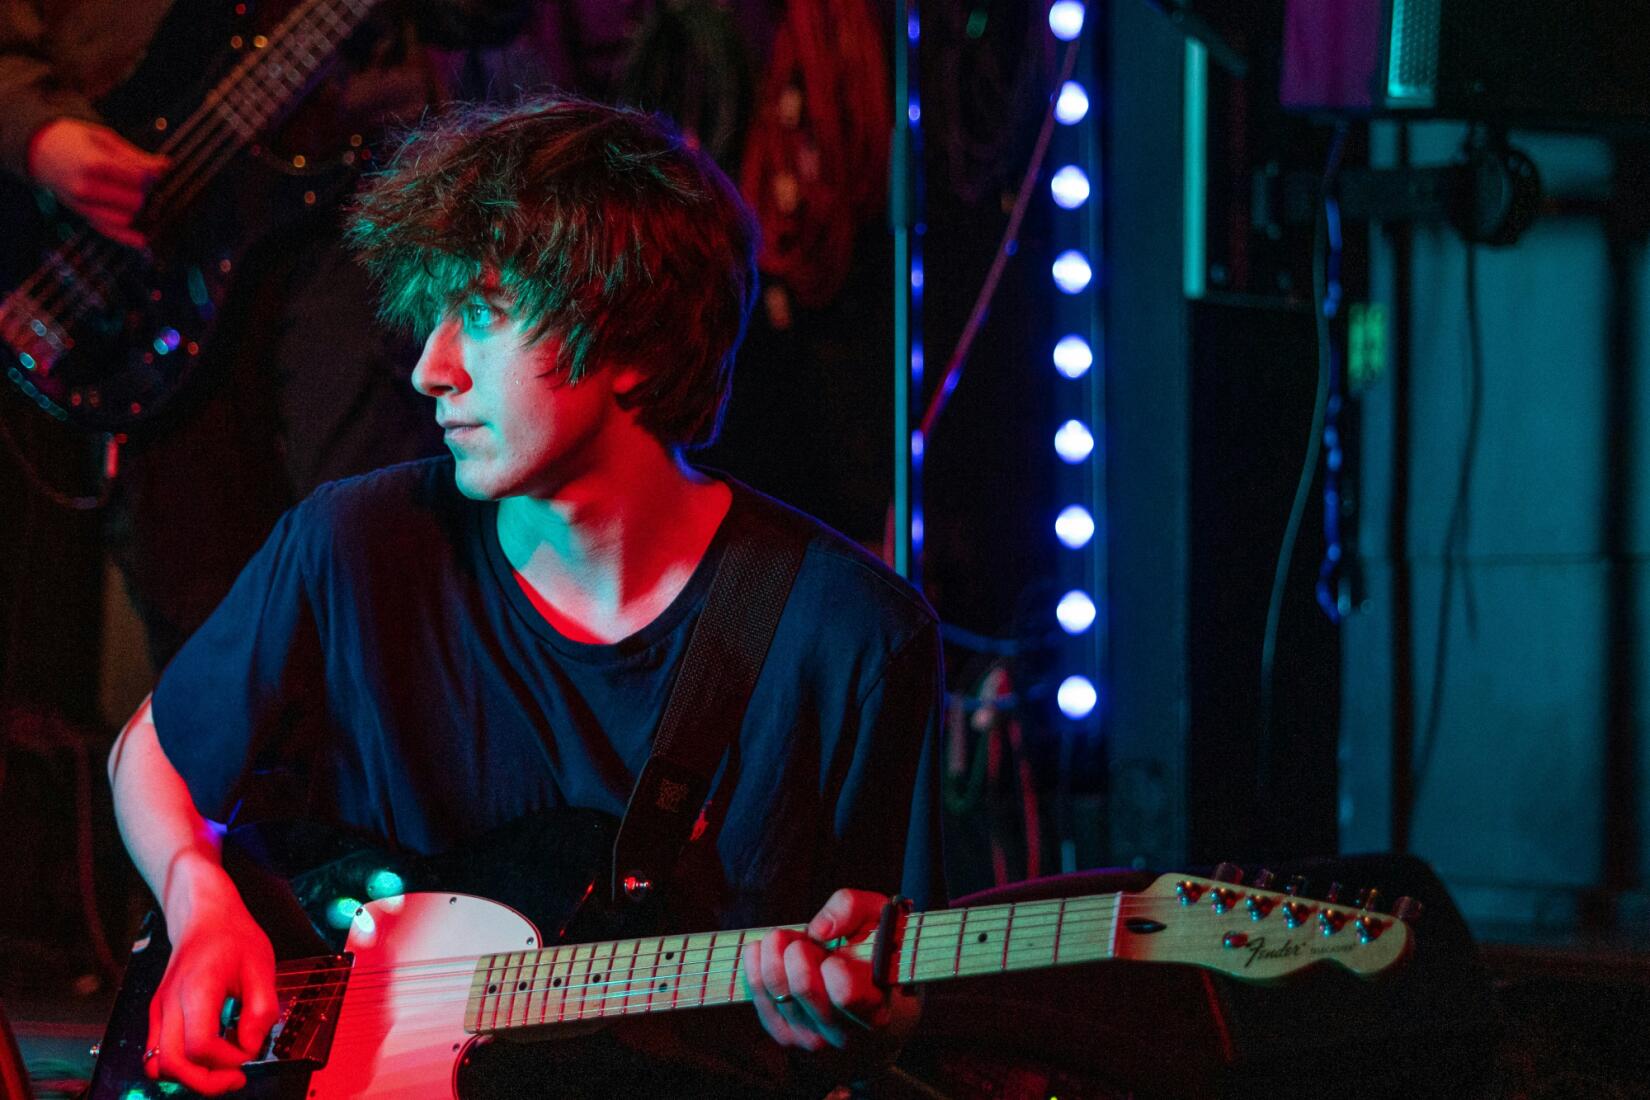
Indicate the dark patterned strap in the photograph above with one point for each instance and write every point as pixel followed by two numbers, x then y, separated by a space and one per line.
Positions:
pixel 708 698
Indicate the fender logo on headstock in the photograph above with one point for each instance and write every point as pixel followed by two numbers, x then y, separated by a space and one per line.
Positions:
pixel 1292 949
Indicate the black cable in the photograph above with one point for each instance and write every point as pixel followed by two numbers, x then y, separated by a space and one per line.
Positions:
pixel 1455 535
pixel 1321 308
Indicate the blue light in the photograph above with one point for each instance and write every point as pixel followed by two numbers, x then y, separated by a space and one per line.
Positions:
pixel 1075 611
pixel 1065 19
pixel 341 913
pixel 1074 527
pixel 916 275
pixel 1072 106
pixel 1072 356
pixel 917 363
pixel 916 530
pixel 1071 271
pixel 384 883
pixel 1070 187
pixel 916 443
pixel 914 112
pixel 913 29
pixel 1076 697
pixel 26 359
pixel 1073 442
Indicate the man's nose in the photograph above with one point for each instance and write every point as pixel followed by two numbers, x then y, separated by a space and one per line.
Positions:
pixel 440 368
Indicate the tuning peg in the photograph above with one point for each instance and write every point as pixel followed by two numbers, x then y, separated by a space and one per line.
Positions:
pixel 1228 872
pixel 1333 897
pixel 1296 887
pixel 1407 909
pixel 1264 879
pixel 1368 899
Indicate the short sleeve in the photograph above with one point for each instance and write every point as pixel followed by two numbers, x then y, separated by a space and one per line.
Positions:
pixel 234 696
pixel 887 815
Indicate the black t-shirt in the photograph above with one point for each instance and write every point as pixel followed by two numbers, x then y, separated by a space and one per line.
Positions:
pixel 377 666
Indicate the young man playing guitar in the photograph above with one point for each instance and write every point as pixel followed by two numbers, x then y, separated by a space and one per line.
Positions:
pixel 426 653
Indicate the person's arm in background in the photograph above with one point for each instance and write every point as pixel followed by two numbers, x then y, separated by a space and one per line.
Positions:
pixel 218 950
pixel 51 134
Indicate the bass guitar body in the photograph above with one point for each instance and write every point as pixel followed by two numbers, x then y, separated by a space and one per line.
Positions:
pixel 103 336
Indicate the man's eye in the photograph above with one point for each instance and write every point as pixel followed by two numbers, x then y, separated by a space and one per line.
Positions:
pixel 478 315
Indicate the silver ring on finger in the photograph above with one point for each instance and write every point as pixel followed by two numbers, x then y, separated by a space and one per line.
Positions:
pixel 151 1054
pixel 784 999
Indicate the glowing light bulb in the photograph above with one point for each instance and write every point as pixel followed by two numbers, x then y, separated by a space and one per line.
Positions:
pixel 1065 19
pixel 1077 697
pixel 1070 187
pixel 1074 526
pixel 1073 442
pixel 384 883
pixel 1071 271
pixel 1075 611
pixel 1072 106
pixel 1073 357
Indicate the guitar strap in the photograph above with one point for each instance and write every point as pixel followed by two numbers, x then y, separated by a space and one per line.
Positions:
pixel 707 701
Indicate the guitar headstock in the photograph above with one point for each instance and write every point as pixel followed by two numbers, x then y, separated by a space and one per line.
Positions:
pixel 1256 933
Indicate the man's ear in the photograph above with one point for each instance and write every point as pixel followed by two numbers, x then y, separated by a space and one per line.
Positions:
pixel 625 380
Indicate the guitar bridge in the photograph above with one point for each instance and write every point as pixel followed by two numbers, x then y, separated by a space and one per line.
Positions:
pixel 310 992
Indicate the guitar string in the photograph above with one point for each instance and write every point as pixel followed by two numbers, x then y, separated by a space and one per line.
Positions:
pixel 268 72
pixel 1023 922
pixel 185 146
pixel 467 964
pixel 977 959
pixel 631 1001
pixel 193 160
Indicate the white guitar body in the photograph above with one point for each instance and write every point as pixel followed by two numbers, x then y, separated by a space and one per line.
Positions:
pixel 406 1039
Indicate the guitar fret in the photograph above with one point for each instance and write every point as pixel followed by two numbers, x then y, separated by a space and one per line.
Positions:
pixel 962 930
pixel 681 968
pixel 704 980
pixel 738 964
pixel 540 993
pixel 914 932
pixel 604 982
pixel 627 999
pixel 1059 926
pixel 1007 928
pixel 935 954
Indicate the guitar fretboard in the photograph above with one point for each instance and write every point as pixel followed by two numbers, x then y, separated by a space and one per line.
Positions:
pixel 581 982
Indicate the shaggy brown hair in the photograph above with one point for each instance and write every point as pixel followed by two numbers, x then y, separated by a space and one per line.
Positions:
pixel 603 227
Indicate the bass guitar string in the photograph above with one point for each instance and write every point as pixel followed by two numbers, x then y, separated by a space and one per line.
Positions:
pixel 200 147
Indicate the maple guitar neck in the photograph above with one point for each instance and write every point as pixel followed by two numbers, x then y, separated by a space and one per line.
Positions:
pixel 1247 933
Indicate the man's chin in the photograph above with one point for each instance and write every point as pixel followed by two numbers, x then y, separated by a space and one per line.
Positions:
pixel 473 487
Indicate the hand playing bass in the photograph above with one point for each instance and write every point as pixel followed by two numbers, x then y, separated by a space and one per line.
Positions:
pixel 810 998
pixel 219 952
pixel 96 173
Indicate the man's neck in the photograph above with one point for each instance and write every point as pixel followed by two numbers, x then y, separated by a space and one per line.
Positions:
pixel 605 553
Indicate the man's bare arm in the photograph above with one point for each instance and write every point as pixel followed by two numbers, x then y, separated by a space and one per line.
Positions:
pixel 218 950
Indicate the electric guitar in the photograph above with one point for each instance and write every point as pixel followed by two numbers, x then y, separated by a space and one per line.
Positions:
pixel 427 979
pixel 101 335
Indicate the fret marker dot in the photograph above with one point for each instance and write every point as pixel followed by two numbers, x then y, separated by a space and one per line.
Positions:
pixel 669 955
pixel 556 982
pixel 982 938
pixel 595 977
pixel 492 989
pixel 663 985
pixel 520 986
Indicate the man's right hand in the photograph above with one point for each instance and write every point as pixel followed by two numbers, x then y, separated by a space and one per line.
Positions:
pixel 218 952
pixel 96 173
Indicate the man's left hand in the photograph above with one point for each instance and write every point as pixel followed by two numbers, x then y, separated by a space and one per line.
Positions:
pixel 811 998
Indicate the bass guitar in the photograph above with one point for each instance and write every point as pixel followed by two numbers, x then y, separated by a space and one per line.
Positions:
pixel 101 335
pixel 427 979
